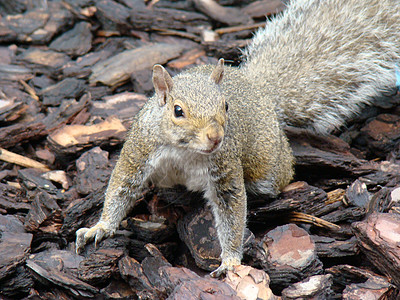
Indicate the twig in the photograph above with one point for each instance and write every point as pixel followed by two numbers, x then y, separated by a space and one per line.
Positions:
pixel 337 195
pixel 17 159
pixel 239 28
pixel 31 91
pixel 305 218
pixel 186 35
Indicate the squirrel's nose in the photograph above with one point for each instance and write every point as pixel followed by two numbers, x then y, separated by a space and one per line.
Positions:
pixel 214 138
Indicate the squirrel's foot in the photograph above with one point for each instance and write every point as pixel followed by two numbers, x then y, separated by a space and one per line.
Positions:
pixel 226 265
pixel 97 232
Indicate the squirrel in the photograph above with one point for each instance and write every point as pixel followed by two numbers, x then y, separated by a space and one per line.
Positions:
pixel 219 129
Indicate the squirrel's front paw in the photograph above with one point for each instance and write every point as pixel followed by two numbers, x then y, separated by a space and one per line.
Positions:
pixel 97 232
pixel 226 265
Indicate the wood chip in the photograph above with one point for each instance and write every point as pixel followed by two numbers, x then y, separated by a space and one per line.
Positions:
pixel 20 160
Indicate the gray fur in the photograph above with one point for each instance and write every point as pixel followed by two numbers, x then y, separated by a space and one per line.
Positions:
pixel 314 66
pixel 323 60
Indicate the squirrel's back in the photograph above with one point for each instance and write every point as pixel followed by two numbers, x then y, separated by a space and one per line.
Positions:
pixel 322 60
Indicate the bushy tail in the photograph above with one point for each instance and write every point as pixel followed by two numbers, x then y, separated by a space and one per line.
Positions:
pixel 324 60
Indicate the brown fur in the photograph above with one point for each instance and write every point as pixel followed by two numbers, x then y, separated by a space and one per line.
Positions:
pixel 314 66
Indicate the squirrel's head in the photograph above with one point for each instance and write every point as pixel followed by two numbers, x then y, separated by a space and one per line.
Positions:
pixel 194 111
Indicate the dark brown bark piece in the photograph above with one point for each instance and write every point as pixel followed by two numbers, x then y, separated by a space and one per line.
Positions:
pixel 82 67
pixel 21 132
pixel 203 288
pixel 67 112
pixel 314 287
pixel 330 247
pixel 229 50
pixel 14 7
pixel 32 179
pixel 118 289
pixel 132 272
pixel 300 197
pixel 15 73
pixel 172 277
pixel 69 88
pixel 313 200
pixel 350 214
pixel 93 171
pixel 117 69
pixel 187 59
pixel 18 284
pixel 112 15
pixel 75 42
pixel 25 24
pixel 142 81
pixel 161 18
pixel 83 212
pixel 45 214
pixel 385 200
pixel 11 200
pixel 378 237
pixel 13 248
pixel 125 105
pixel 54 269
pixel 153 229
pixel 263 8
pixel 99 266
pixel 291 256
pixel 226 15
pixel 375 287
pixel 347 274
pixel 151 266
pixel 198 231
pixel 357 194
pixel 37 26
pixel 361 283
pixel 324 154
pixel 11 223
pixel 62 260
pixel 380 135
pixel 46 61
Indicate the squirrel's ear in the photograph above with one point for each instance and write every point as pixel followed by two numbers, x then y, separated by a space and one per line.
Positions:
pixel 218 72
pixel 162 82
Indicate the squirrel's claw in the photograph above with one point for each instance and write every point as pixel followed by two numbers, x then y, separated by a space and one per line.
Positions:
pixel 85 235
pixel 80 239
pixel 226 265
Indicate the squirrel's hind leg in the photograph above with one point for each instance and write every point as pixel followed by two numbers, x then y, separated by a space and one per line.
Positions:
pixel 263 187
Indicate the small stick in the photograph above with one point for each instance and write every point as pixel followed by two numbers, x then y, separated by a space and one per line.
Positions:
pixel 17 159
pixel 305 218
pixel 239 28
pixel 337 195
pixel 152 3
pixel 30 90
pixel 178 33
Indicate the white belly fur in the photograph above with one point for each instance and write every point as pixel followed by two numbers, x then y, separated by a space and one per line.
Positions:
pixel 172 166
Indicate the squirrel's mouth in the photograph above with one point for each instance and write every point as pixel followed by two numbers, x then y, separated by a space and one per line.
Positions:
pixel 207 151
pixel 214 148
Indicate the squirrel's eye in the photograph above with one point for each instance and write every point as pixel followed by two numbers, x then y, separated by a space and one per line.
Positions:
pixel 226 106
pixel 178 111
